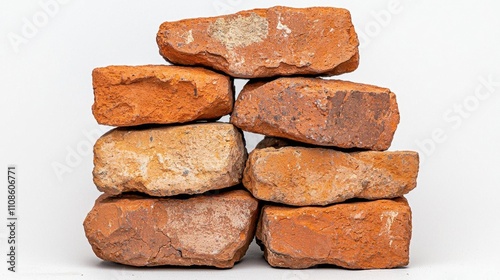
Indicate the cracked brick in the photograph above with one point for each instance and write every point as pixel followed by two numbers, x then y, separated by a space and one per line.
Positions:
pixel 209 230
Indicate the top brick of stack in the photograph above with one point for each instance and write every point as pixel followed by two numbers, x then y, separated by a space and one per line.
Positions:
pixel 278 41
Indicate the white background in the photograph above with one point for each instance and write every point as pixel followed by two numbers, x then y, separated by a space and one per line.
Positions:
pixel 435 55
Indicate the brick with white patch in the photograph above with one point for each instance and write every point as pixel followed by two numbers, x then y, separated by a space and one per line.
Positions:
pixel 279 41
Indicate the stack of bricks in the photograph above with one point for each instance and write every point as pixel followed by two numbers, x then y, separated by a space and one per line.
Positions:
pixel 329 191
pixel 149 165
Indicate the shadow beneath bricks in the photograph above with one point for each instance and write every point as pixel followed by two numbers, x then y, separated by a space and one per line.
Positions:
pixel 253 257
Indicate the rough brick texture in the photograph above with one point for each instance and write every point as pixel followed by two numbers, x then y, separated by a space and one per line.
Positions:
pixel 357 235
pixel 304 176
pixel 278 41
pixel 319 112
pixel 159 94
pixel 212 230
pixel 170 160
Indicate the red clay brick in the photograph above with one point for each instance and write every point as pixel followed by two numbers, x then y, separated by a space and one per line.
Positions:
pixel 358 235
pixel 159 94
pixel 303 176
pixel 278 41
pixel 212 230
pixel 319 112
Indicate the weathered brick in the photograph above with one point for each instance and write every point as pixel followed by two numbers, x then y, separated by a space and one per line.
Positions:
pixel 159 94
pixel 319 112
pixel 278 41
pixel 170 160
pixel 212 230
pixel 357 235
pixel 303 176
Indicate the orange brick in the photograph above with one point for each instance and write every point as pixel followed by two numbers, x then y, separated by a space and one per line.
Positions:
pixel 212 230
pixel 319 112
pixel 159 94
pixel 358 235
pixel 304 176
pixel 278 41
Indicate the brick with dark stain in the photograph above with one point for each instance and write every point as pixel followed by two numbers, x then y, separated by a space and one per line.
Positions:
pixel 319 112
